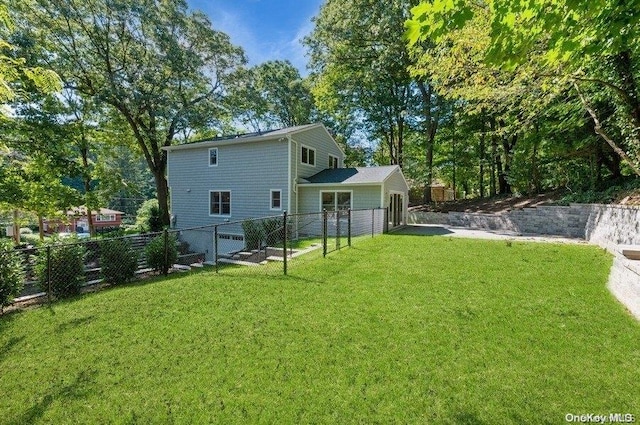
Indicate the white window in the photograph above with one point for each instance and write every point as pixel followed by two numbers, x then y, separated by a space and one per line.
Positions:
pixel 213 157
pixel 308 156
pixel 336 200
pixel 106 217
pixel 276 199
pixel 219 202
pixel 333 161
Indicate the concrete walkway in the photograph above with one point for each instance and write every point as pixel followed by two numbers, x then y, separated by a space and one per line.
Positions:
pixel 461 232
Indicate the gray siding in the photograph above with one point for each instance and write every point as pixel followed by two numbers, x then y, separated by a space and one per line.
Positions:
pixel 248 170
pixel 362 196
pixel 318 139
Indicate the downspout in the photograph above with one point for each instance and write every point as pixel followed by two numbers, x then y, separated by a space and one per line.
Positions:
pixel 295 176
pixel 290 165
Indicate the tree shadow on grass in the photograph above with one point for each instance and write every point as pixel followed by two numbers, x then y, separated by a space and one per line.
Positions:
pixel 9 346
pixel 80 388
pixel 422 231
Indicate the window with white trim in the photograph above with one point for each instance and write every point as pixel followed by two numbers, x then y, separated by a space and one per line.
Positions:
pixel 219 202
pixel 308 156
pixel 213 157
pixel 105 217
pixel 336 200
pixel 276 199
pixel 333 161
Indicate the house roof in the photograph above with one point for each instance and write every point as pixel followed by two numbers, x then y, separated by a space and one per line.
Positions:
pixel 82 210
pixel 243 138
pixel 357 175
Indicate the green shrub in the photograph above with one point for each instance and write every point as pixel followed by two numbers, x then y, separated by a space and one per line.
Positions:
pixel 148 217
pixel 118 261
pixel 66 266
pixel 273 230
pixel 253 234
pixel 155 253
pixel 11 273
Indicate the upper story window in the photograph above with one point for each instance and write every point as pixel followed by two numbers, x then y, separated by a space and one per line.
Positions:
pixel 106 217
pixel 308 156
pixel 213 157
pixel 219 202
pixel 333 161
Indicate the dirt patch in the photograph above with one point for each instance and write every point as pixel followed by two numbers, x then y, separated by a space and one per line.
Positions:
pixel 494 205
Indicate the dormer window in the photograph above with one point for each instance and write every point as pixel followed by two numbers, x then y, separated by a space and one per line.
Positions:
pixel 333 161
pixel 213 157
pixel 308 156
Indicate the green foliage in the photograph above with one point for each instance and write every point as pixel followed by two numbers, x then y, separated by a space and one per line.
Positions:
pixel 118 260
pixel 60 268
pixel 162 67
pixel 14 69
pixel 162 252
pixel 272 94
pixel 253 234
pixel 11 273
pixel 273 230
pixel 148 217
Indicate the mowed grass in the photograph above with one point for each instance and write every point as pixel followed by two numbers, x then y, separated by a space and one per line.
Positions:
pixel 397 329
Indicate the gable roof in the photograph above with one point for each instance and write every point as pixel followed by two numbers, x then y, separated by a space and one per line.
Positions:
pixel 82 211
pixel 357 175
pixel 243 138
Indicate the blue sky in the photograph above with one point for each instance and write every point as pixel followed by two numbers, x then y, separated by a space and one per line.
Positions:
pixel 266 29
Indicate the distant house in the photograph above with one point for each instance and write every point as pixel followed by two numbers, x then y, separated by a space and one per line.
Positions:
pixel 77 220
pixel 297 169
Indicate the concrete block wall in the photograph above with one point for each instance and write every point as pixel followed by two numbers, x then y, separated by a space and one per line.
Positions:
pixel 604 225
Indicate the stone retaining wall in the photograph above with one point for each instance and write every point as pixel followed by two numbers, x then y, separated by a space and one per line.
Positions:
pixel 604 225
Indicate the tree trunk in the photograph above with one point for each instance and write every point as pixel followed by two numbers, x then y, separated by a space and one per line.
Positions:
pixel 40 227
pixel 624 67
pixel 162 188
pixel 16 228
pixel 508 146
pixel 430 129
pixel 481 148
pixel 86 180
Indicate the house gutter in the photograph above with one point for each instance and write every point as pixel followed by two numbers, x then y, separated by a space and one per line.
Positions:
pixel 289 170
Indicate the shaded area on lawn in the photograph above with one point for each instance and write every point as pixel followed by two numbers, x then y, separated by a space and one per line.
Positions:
pixel 396 329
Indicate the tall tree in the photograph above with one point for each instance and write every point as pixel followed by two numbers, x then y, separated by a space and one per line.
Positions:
pixel 162 67
pixel 359 63
pixel 272 94
pixel 576 38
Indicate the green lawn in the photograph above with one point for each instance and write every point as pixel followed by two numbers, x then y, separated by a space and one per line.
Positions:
pixel 397 329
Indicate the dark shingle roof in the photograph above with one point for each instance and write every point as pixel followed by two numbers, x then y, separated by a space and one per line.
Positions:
pixel 357 175
pixel 238 138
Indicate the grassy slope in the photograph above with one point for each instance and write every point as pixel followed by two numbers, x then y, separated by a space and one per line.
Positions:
pixel 397 329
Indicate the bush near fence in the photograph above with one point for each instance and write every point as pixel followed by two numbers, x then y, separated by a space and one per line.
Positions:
pixel 62 268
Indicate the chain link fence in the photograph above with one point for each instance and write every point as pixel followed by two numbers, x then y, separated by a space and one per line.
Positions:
pixel 268 245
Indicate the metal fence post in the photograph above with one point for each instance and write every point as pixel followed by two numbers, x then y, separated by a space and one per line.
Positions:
pixel 338 230
pixel 385 226
pixel 284 245
pixel 324 233
pixel 349 227
pixel 373 222
pixel 165 267
pixel 215 246
pixel 49 273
